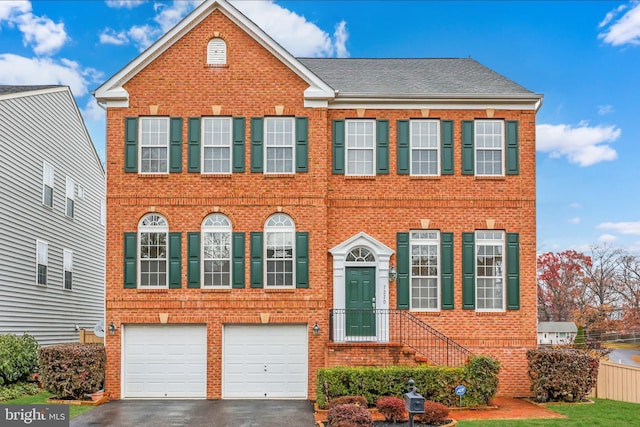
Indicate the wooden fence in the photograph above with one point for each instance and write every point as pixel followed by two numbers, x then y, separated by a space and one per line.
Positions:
pixel 88 337
pixel 617 382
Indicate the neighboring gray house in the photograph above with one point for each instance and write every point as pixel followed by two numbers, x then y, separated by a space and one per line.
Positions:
pixel 52 224
pixel 554 333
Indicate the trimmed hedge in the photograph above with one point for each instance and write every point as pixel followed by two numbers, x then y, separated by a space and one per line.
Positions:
pixel 562 374
pixel 435 383
pixel 18 358
pixel 70 371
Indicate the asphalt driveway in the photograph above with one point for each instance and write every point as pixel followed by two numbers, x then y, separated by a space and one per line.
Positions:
pixel 196 413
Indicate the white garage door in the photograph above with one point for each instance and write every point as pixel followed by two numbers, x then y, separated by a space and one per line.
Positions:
pixel 164 361
pixel 265 361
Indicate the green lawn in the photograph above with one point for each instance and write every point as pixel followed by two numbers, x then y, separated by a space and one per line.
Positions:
pixel 602 413
pixel 40 398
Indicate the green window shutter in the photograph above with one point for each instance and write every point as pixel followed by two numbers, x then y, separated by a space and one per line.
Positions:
pixel 175 260
pixel 237 260
pixel 446 270
pixel 338 147
pixel 302 150
pixel 382 147
pixel 446 142
pixel 130 260
pixel 302 259
pixel 403 268
pixel 131 144
pixel 175 144
pixel 513 271
pixel 511 156
pixel 467 148
pixel 193 151
pixel 256 259
pixel 257 151
pixel 237 155
pixel 193 260
pixel 403 131
pixel 468 271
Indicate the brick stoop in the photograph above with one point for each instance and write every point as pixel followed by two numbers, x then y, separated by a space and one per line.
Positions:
pixel 373 354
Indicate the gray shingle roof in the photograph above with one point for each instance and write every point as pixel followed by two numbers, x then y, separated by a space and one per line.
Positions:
pixel 412 77
pixel 7 89
pixel 557 327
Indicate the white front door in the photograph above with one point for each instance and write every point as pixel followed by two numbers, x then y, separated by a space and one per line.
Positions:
pixel 265 361
pixel 164 361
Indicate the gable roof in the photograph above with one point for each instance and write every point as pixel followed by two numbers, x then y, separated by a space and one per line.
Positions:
pixel 113 93
pixel 557 327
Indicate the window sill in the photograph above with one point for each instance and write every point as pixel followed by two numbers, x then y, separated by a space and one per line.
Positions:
pixel 215 291
pixel 426 313
pixel 360 177
pixel 153 291
pixel 215 175
pixel 280 290
pixel 491 313
pixel 425 177
pixel 153 175
pixel 279 175
pixel 490 177
pixel 216 66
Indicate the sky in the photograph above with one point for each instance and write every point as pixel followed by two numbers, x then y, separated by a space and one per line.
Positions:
pixel 583 56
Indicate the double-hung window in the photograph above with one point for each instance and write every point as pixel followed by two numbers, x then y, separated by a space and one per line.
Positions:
pixel 42 262
pixel 360 147
pixel 48 174
pixel 216 252
pixel 279 144
pixel 153 233
pixel 280 235
pixel 490 274
pixel 216 145
pixel 425 144
pixel 67 261
pixel 70 197
pixel 489 147
pixel 425 270
pixel 154 144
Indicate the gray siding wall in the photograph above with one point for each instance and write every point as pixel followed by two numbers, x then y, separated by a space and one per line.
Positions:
pixel 34 129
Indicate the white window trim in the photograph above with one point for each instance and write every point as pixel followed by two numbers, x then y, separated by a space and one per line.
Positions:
pixel 346 148
pixel 46 182
pixel 491 242
pixel 216 229
pixel 67 266
pixel 140 146
pixel 476 149
pixel 70 190
pixel 203 146
pixel 266 146
pixel 279 229
pixel 435 241
pixel 42 251
pixel 437 148
pixel 152 229
pixel 217 51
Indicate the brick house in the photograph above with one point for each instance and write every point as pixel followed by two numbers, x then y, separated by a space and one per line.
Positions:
pixel 271 215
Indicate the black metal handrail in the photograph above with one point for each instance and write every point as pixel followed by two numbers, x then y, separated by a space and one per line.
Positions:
pixel 377 325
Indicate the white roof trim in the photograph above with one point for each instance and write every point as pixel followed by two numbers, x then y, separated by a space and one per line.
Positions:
pixel 33 92
pixel 112 91
pixel 361 239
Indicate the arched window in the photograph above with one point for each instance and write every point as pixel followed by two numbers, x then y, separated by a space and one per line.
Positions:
pixel 217 52
pixel 216 251
pixel 360 255
pixel 280 234
pixel 153 231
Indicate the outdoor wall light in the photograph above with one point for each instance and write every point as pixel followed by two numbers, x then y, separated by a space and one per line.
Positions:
pixel 112 328
pixel 392 274
pixel 316 329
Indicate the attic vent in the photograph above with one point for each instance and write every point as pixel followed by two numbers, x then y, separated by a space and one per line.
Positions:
pixel 216 52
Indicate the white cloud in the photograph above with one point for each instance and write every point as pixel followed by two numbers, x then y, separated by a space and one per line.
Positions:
pixel 93 112
pixel 340 36
pixel 585 145
pixel 124 4
pixel 605 109
pixel 111 36
pixel 18 70
pixel 625 30
pixel 143 35
pixel 629 227
pixel 9 10
pixel 168 16
pixel 575 220
pixel 607 238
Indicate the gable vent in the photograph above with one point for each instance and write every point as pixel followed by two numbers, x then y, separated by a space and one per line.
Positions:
pixel 216 52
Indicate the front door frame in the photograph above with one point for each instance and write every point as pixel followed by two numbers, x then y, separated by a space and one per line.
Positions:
pixel 382 254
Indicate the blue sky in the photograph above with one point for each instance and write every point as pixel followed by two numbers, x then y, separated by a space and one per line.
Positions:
pixel 583 56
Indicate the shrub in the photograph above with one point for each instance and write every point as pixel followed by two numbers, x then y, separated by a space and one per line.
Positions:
pixel 349 415
pixel 561 374
pixel 15 390
pixel 393 408
pixel 18 358
pixel 343 400
pixel 434 413
pixel 70 371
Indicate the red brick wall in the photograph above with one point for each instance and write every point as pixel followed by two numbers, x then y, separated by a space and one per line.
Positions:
pixel 331 208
